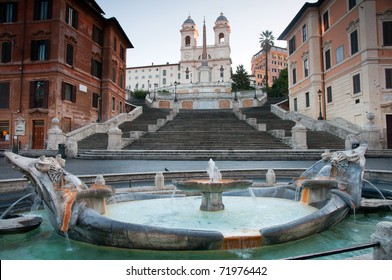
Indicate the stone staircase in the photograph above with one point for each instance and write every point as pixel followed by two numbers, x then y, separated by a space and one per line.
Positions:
pixel 206 130
pixel 99 141
pixel 203 134
pixel 315 139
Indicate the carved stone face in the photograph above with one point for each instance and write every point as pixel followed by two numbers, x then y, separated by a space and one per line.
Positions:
pixel 53 167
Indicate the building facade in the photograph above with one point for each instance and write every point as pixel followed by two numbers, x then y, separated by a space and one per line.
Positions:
pixel 277 61
pixel 340 62
pixel 187 71
pixel 59 59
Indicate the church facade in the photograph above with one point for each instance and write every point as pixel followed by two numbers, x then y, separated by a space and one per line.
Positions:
pixel 201 79
pixel 187 71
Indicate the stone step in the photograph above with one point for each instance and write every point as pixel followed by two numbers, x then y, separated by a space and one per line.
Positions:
pixel 204 154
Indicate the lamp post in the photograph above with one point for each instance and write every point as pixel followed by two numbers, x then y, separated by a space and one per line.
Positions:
pixel 155 91
pixel 319 92
pixel 221 72
pixel 175 91
pixel 254 84
pixel 148 88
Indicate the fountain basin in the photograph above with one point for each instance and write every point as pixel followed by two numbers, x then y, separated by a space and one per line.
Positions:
pixel 19 224
pixel 211 191
pixel 58 189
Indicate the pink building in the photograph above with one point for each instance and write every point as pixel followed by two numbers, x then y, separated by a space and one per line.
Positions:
pixel 340 62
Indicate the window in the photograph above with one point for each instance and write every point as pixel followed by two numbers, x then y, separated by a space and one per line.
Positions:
pixel 95 100
pixel 329 94
pixel 42 9
pixel 164 81
pixel 97 35
pixel 96 68
pixel 4 131
pixel 339 54
pixel 71 16
pixel 351 4
pixel 354 42
pixel 306 68
pixel 356 84
pixel 292 45
pixel 121 107
pixel 68 92
pixel 69 57
pixel 121 82
pixel 221 38
pixel 4 95
pixel 39 91
pixel 115 44
pixel 327 59
pixel 5 52
pixel 304 33
pixel 294 71
pixel 387 33
pixel 114 75
pixel 40 50
pixel 113 103
pixel 164 73
pixel 8 12
pixel 307 100
pixel 295 104
pixel 326 21
pixel 187 41
pixel 122 52
pixel 388 78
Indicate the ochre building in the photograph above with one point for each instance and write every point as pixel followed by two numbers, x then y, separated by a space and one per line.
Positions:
pixel 340 62
pixel 59 59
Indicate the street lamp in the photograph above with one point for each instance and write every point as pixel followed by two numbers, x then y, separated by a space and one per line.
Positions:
pixel 319 92
pixel 148 88
pixel 155 90
pixel 221 72
pixel 254 84
pixel 175 91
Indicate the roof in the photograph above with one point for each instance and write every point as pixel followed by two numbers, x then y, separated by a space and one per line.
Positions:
pixel 221 18
pixel 93 4
pixel 298 16
pixel 189 20
pixel 121 30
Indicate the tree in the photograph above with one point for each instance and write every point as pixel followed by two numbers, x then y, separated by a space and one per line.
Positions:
pixel 266 43
pixel 240 79
pixel 281 85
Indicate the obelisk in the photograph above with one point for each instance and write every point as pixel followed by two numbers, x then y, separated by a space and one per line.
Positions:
pixel 205 72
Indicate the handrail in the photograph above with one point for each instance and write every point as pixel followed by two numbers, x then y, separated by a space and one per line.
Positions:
pixel 336 251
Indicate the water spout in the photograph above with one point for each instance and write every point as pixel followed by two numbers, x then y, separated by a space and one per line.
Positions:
pixel 378 190
pixel 13 204
pixel 213 171
pixel 325 172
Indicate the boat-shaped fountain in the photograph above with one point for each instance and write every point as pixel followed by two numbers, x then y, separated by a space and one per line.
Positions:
pixel 327 190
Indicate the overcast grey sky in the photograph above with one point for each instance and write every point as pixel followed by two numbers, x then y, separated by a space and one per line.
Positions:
pixel 153 25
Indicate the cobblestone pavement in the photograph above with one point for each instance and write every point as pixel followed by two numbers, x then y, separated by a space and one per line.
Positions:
pixel 90 167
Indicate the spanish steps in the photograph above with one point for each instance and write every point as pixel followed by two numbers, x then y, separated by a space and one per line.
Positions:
pixel 204 130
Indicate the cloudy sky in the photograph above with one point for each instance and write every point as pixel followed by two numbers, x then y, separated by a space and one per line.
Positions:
pixel 153 25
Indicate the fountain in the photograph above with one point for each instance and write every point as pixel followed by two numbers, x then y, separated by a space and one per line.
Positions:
pixel 18 223
pixel 211 190
pixel 331 188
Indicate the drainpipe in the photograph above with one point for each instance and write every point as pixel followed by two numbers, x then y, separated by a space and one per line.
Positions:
pixel 322 65
pixel 22 51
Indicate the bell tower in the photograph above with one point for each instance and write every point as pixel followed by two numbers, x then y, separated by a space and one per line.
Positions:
pixel 189 35
pixel 222 31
